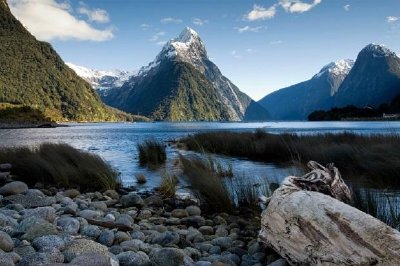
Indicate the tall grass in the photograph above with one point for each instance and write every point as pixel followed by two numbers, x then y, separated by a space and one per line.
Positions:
pixel 372 157
pixel 219 194
pixel 384 206
pixel 60 165
pixel 152 153
pixel 168 185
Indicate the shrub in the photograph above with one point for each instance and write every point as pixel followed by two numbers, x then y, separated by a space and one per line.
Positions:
pixel 152 153
pixel 60 165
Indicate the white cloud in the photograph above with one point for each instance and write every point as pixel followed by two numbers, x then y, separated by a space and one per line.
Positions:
pixel 248 29
pixel 161 43
pixel 392 19
pixel 275 42
pixel 95 15
pixel 260 13
pixel 48 20
pixel 199 22
pixel 235 54
pixel 145 26
pixel 346 8
pixel 249 50
pixel 171 20
pixel 156 37
pixel 297 6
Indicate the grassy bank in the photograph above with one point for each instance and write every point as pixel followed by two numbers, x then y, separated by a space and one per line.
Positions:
pixel 60 165
pixel 374 158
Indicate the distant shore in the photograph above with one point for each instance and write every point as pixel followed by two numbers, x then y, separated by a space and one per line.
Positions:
pixel 16 125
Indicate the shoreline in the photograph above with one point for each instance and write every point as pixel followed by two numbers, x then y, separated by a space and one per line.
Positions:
pixel 23 125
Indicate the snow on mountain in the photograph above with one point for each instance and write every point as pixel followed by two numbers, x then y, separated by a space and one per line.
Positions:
pixel 336 72
pixel 378 50
pixel 102 80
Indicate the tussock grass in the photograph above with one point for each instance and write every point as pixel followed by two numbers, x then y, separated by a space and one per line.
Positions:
pixel 61 165
pixel 141 179
pixel 152 153
pixel 373 157
pixel 219 194
pixel 168 185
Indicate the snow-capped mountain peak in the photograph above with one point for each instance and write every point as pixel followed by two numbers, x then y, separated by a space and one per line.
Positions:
pixel 102 79
pixel 378 50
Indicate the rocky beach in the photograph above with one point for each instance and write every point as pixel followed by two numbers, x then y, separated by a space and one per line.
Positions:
pixel 53 226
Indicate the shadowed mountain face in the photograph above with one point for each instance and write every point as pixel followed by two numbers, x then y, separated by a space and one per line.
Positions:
pixel 182 84
pixel 32 73
pixel 298 101
pixel 374 79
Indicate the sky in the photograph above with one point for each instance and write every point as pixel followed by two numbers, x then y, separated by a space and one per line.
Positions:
pixel 261 46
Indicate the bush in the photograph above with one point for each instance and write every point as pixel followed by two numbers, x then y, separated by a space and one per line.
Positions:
pixel 60 165
pixel 152 153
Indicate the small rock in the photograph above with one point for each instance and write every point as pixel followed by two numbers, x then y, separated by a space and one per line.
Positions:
pixel 223 242
pixel 170 257
pixel 280 262
pixel 10 258
pixel 125 219
pixel 179 213
pixel 206 230
pixel 106 238
pixel 195 221
pixel 192 252
pixel 112 194
pixel 91 231
pixel 144 214
pixel 71 193
pixel 165 239
pixel 83 246
pixel 31 199
pixel 94 259
pixel 203 263
pixel 132 200
pixel 48 256
pixel 130 258
pixel 46 213
pixel 38 230
pixel 49 241
pixel 193 210
pixel 121 237
pixel 90 214
pixel 13 188
pixel 154 201
pixel 6 243
pixel 69 225
pixel 99 205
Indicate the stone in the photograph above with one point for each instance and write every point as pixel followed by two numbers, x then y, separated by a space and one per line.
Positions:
pixel 5 166
pixel 112 194
pixel 193 210
pixel 144 214
pixel 24 249
pixel 99 205
pixel 138 235
pixel 13 188
pixel 91 231
pixel 192 252
pixel 203 263
pixel 195 221
pixel 131 200
pixel 154 201
pixel 6 243
pixel 7 223
pixel 254 248
pixel 71 193
pixel 219 220
pixel 130 258
pixel 206 230
pixel 69 225
pixel 94 259
pixel 165 239
pixel 83 246
pixel 38 230
pixel 48 256
pixel 280 262
pixel 223 242
pixel 170 257
pixel 90 214
pixel 179 213
pixel 9 259
pixel 31 199
pixel 46 213
pixel 194 235
pixel 215 250
pixel 124 219
pixel 49 241
pixel 121 237
pixel 106 238
pixel 221 231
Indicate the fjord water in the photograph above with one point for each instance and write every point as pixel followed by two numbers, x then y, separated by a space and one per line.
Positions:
pixel 116 142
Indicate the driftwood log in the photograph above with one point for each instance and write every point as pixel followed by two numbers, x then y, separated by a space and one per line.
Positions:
pixel 307 223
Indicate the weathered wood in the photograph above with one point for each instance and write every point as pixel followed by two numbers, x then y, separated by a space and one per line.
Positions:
pixel 109 224
pixel 310 228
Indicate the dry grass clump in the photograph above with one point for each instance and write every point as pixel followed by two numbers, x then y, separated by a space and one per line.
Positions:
pixel 61 165
pixel 152 153
pixel 168 185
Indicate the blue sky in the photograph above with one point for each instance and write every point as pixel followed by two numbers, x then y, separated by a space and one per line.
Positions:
pixel 260 45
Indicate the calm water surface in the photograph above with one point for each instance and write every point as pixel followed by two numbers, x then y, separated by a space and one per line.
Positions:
pixel 116 142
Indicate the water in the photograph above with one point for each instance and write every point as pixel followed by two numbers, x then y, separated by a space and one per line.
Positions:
pixel 116 142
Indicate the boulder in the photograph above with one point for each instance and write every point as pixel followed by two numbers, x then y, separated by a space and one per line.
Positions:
pixel 69 225
pixel 13 188
pixel 131 200
pixel 83 246
pixel 130 258
pixel 94 259
pixel 6 243
pixel 170 257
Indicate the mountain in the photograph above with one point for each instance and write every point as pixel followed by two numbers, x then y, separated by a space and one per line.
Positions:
pixel 298 101
pixel 374 79
pixel 33 74
pixel 102 80
pixel 182 84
